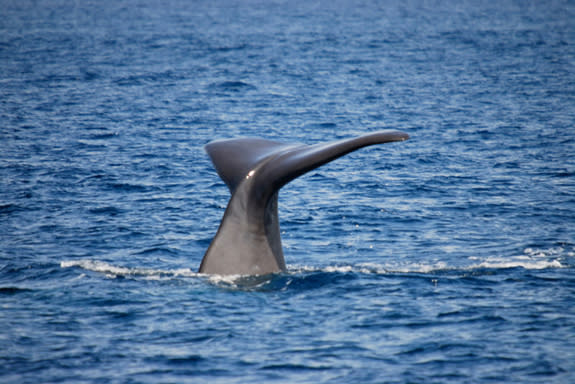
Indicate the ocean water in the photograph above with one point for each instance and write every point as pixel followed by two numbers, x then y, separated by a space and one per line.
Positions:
pixel 448 258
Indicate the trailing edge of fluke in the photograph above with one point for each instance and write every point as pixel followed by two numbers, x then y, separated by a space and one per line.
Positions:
pixel 248 240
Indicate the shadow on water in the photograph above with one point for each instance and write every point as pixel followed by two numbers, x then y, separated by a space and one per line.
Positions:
pixel 291 280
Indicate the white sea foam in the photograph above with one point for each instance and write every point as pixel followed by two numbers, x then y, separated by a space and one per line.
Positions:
pixel 496 263
pixel 114 271
pixel 239 281
pixel 531 259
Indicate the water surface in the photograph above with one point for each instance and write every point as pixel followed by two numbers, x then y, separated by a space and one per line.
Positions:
pixel 448 258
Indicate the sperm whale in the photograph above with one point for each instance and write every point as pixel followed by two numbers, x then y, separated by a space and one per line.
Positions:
pixel 248 240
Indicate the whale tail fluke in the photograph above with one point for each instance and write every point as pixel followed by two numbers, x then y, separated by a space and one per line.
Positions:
pixel 235 158
pixel 248 241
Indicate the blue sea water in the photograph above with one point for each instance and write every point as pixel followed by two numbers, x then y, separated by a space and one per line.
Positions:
pixel 448 258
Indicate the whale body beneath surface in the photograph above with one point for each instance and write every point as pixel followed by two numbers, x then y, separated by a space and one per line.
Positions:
pixel 248 240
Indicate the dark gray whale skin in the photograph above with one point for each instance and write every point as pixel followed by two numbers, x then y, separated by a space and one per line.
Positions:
pixel 248 240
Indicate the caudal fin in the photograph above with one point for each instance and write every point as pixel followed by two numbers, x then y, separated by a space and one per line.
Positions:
pixel 235 158
pixel 248 241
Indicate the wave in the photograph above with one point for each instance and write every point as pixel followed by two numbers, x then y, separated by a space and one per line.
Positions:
pixel 114 271
pixel 231 86
pixel 532 259
pixel 423 268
